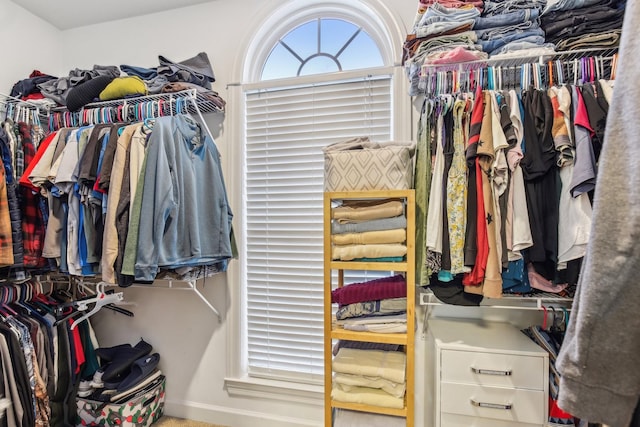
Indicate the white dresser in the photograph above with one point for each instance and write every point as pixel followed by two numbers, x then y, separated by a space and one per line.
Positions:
pixel 484 374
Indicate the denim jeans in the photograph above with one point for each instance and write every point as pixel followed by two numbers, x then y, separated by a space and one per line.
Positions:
pixel 532 36
pixel 495 7
pixel 510 18
pixel 467 38
pixel 438 13
pixel 442 27
pixel 497 32
pixel 439 19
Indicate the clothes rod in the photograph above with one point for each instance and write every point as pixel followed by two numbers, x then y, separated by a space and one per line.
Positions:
pixel 180 285
pixel 524 303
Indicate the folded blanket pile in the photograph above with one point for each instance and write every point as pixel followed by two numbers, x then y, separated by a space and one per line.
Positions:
pixel 371 377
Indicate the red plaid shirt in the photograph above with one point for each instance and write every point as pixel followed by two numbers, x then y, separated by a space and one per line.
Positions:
pixel 33 227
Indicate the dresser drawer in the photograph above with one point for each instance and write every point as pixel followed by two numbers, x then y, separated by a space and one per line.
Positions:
pixel 498 403
pixel 493 369
pixel 453 420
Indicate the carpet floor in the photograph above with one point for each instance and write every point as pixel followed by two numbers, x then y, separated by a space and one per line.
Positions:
pixel 178 422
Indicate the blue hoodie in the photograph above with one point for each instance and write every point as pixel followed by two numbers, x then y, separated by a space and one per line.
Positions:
pixel 186 217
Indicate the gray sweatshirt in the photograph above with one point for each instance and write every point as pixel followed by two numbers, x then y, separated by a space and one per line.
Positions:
pixel 600 354
pixel 186 217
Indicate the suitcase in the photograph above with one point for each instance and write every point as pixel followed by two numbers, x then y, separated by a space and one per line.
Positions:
pixel 141 410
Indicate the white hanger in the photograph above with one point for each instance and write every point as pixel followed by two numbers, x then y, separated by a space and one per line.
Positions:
pixel 101 299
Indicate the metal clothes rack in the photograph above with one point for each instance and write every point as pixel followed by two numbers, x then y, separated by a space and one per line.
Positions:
pixel 535 301
pixel 22 111
pixel 181 285
pixel 137 109
pixel 578 66
pixel 125 110
pixel 540 301
pixel 176 284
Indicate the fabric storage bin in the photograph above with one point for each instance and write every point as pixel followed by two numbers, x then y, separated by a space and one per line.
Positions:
pixel 142 410
pixel 360 165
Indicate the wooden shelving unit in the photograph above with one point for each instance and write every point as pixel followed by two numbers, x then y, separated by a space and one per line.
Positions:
pixel 335 332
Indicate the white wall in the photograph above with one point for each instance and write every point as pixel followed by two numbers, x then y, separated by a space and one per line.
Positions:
pixel 28 43
pixel 196 349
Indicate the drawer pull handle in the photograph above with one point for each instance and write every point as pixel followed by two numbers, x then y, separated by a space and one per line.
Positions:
pixel 506 407
pixel 490 372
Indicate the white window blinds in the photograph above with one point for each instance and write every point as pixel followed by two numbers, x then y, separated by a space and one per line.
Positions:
pixel 286 129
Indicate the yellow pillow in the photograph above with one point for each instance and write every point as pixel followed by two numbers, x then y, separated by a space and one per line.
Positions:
pixel 123 86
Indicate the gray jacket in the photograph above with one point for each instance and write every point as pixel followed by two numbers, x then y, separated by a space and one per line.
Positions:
pixel 598 359
pixel 184 202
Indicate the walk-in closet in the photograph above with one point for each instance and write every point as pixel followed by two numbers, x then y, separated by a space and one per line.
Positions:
pixel 417 213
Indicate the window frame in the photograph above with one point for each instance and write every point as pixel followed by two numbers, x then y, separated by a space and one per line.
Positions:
pixel 281 23
pixel 383 27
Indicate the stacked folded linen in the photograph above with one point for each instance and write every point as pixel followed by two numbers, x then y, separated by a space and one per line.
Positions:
pixel 371 231
pixel 377 289
pixel 371 377
pixel 366 396
pixel 396 324
pixel 364 345
pixel 348 381
pixel 377 305
pixel 389 365
pixel 383 307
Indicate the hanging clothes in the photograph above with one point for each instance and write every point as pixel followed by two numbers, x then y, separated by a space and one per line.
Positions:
pixel 422 181
pixel 92 183
pixel 185 195
pixel 42 358
pixel 524 186
pixel 541 182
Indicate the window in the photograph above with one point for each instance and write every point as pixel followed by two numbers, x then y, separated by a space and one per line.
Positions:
pixel 322 46
pixel 286 130
pixel 321 78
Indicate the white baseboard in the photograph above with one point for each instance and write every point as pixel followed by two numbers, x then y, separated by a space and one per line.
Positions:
pixel 232 417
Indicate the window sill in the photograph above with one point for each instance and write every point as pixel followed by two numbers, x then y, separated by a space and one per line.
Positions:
pixel 275 390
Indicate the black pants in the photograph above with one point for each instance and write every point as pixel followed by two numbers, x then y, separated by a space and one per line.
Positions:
pixel 635 421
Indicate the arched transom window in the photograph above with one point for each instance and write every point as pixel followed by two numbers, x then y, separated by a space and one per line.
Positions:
pixel 323 45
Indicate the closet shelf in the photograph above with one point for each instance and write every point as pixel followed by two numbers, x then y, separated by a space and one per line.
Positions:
pixel 181 285
pixel 535 301
pixel 186 99
pixel 176 284
pixel 367 408
pixel 368 195
pixel 542 59
pixel 339 333
pixel 8 99
pixel 20 110
pixel 374 266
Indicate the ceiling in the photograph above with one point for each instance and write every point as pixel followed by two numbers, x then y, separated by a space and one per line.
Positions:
pixel 66 14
